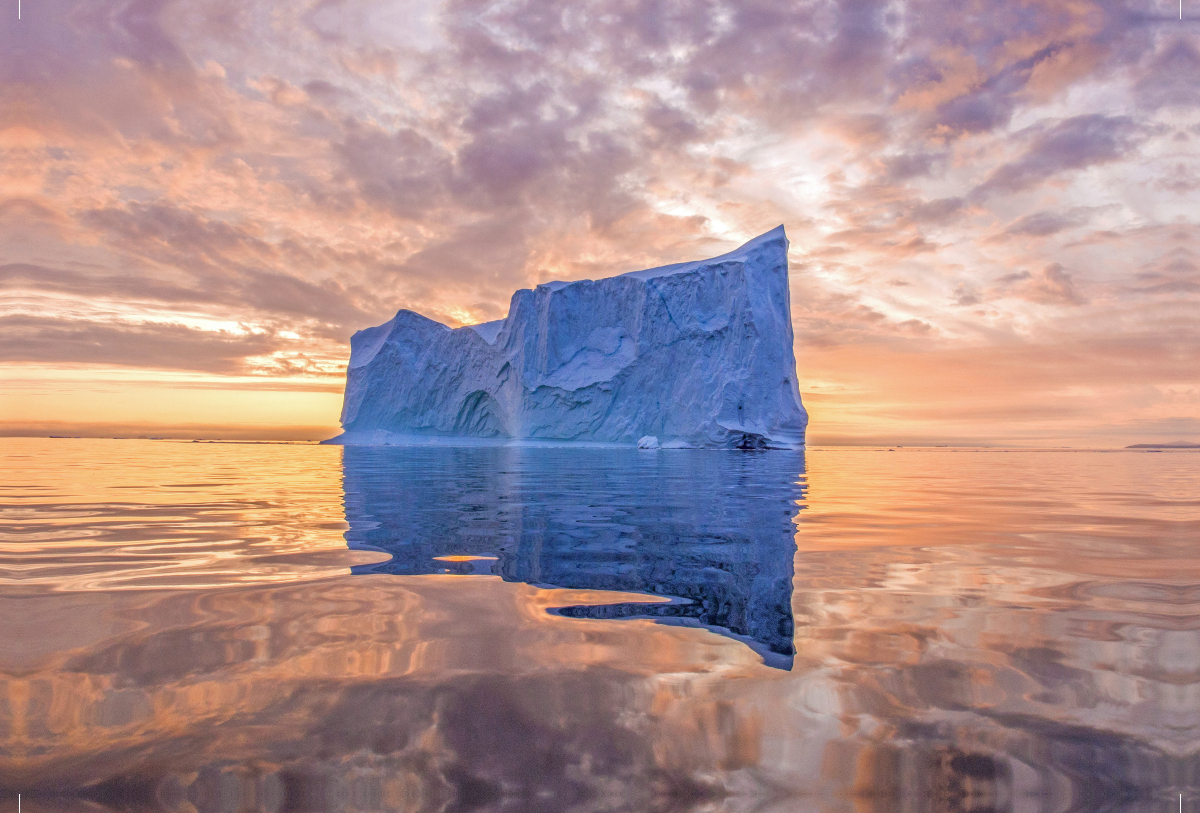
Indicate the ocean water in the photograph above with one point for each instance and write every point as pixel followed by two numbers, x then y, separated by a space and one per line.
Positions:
pixel 243 627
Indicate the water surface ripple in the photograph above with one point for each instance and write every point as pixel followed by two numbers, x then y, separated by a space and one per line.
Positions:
pixel 237 627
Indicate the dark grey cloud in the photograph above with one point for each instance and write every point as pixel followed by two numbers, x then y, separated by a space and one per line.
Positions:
pixel 671 126
pixel 1075 143
pixel 45 279
pixel 553 153
pixel 109 70
pixel 229 264
pixel 174 233
pixel 1053 285
pixel 1169 78
pixel 906 166
pixel 1175 272
pixel 784 63
pixel 941 210
pixel 991 104
pixel 171 347
pixel 403 171
pixel 458 259
pixel 321 89
pixel 965 296
pixel 1043 224
pixel 827 320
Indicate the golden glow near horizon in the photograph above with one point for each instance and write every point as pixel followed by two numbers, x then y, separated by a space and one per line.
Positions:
pixel 108 402
pixel 992 236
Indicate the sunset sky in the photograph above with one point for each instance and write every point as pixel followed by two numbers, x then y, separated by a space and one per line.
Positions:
pixel 992 205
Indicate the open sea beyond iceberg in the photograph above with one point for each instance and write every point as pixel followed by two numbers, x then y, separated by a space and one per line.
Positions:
pixel 270 627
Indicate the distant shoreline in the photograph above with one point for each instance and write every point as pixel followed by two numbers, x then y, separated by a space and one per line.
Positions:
pixel 1179 445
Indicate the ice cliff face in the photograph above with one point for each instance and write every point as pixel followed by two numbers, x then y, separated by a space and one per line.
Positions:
pixel 697 354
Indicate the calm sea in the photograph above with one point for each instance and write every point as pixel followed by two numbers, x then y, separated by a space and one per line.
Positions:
pixel 244 627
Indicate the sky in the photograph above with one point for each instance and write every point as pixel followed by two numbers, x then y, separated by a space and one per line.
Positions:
pixel 987 201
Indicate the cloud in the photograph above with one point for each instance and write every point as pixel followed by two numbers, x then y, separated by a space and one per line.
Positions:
pixel 167 347
pixel 990 104
pixel 908 165
pixel 1053 285
pixel 305 172
pixel 1165 81
pixel 402 171
pixel 231 264
pixel 1076 143
pixel 965 296
pixel 1175 272
pixel 1044 224
pixel 941 210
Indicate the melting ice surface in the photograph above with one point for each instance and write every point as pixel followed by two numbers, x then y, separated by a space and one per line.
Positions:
pixel 234 627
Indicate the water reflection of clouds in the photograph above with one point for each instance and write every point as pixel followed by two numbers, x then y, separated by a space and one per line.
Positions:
pixel 1022 658
pixel 1023 662
pixel 83 514
pixel 1038 608
pixel 429 688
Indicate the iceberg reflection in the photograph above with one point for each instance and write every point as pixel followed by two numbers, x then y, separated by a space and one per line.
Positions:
pixel 712 530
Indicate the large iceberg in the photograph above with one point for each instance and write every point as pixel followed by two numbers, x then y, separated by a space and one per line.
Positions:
pixel 696 354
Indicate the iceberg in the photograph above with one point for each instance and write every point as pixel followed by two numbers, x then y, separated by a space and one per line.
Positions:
pixel 692 355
